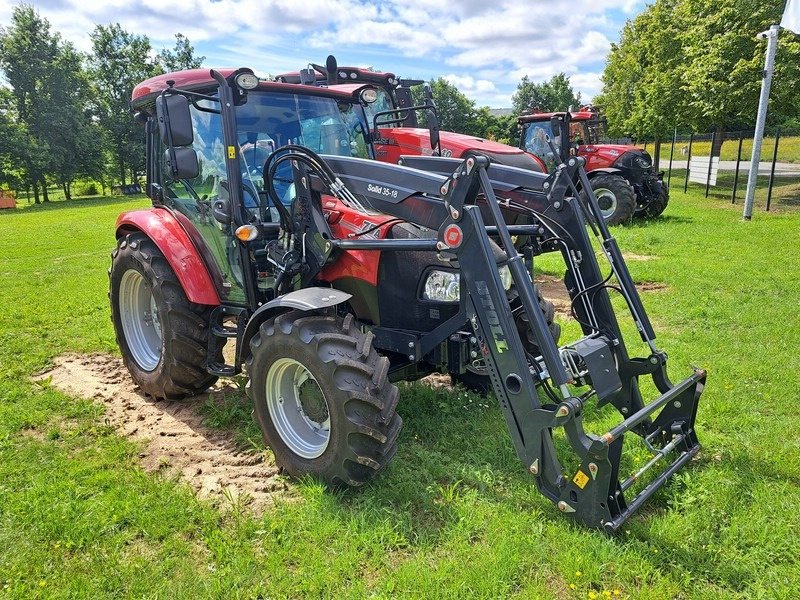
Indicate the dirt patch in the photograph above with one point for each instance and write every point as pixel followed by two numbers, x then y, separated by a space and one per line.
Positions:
pixel 651 286
pixel 638 257
pixel 175 440
pixel 554 290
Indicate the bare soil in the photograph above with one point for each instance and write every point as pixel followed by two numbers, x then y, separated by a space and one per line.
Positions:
pixel 173 437
pixel 554 290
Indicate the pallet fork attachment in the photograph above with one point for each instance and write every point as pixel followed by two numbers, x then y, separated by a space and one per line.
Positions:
pixel 455 206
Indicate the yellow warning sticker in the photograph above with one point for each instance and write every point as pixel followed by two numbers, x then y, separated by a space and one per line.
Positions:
pixel 231 152
pixel 580 479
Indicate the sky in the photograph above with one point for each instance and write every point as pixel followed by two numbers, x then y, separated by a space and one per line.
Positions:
pixel 482 47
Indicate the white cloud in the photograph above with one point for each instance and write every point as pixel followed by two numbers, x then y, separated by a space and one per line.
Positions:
pixel 484 47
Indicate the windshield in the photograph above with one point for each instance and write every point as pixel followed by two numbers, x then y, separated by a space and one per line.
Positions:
pixel 535 142
pixel 596 131
pixel 269 120
pixel 384 102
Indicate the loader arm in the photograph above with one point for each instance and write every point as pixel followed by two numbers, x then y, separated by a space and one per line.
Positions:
pixel 455 206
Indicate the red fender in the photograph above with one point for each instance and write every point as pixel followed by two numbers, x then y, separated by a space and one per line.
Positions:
pixel 163 228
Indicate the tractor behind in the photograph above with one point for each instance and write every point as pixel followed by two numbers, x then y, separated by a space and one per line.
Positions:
pixel 393 117
pixel 623 177
pixel 335 276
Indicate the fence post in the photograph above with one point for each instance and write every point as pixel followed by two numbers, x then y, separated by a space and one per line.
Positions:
pixel 671 152
pixel 736 177
pixel 710 159
pixel 688 163
pixel 772 169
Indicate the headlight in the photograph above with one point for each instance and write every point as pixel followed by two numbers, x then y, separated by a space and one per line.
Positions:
pixel 442 286
pixel 445 286
pixel 505 277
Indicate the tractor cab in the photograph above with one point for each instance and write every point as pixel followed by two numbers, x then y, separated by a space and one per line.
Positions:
pixel 393 117
pixel 624 177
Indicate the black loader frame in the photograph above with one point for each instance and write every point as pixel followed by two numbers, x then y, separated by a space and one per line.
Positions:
pixel 455 206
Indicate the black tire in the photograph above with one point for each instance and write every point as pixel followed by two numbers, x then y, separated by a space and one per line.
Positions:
pixel 175 366
pixel 617 199
pixel 478 381
pixel 657 205
pixel 356 398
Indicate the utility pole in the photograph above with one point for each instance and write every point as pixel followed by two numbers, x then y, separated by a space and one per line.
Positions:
pixel 771 35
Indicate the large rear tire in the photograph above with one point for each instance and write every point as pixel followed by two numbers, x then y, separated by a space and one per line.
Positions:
pixel 162 336
pixel 322 398
pixel 475 378
pixel 617 199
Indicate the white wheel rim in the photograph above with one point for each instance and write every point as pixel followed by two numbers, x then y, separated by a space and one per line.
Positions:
pixel 298 408
pixel 607 200
pixel 140 321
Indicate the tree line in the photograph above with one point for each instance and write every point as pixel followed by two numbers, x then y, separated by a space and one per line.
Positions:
pixel 64 115
pixel 697 66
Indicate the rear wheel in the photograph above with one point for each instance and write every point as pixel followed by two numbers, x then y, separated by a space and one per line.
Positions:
pixel 476 378
pixel 162 336
pixel 616 198
pixel 322 398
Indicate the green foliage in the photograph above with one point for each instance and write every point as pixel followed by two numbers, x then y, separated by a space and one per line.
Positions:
pixel 697 64
pixel 60 120
pixel 119 61
pixel 549 96
pixel 181 57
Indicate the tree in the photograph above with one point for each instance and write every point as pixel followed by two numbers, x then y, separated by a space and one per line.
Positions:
pixel 119 61
pixel 181 57
pixel 75 140
pixel 28 52
pixel 549 96
pixel 691 63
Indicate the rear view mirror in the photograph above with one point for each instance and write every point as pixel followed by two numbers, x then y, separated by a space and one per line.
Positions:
pixel 433 129
pixel 182 163
pixel 174 120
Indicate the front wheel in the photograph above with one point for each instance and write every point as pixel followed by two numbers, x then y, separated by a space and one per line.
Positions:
pixel 616 198
pixel 163 337
pixel 322 398
pixel 657 205
pixel 476 377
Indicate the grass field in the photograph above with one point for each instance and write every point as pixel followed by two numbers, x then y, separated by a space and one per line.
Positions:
pixel 455 515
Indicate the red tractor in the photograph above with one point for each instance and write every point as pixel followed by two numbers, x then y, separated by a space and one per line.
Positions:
pixel 393 119
pixel 623 177
pixel 335 276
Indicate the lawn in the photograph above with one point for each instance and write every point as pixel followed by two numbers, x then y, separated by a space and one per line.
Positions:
pixel 455 515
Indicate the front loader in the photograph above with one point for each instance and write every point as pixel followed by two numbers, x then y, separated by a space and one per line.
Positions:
pixel 321 349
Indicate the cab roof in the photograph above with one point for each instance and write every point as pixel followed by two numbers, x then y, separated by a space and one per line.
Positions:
pixel 199 79
pixel 581 115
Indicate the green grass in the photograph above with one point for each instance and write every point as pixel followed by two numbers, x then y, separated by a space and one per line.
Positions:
pixel 455 515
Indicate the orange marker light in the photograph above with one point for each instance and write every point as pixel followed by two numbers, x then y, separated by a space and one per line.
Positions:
pixel 247 233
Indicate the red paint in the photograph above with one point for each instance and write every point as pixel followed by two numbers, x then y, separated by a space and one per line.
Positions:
pixel 358 264
pixel 417 141
pixel 165 231
pixel 453 236
pixel 200 79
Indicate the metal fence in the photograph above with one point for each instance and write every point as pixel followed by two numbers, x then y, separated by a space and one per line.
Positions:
pixel 720 166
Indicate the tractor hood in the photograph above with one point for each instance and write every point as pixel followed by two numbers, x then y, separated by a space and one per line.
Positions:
pixel 411 140
pixel 600 156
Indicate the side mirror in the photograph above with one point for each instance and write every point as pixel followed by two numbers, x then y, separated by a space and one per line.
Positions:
pixel 433 129
pixel 182 163
pixel 174 120
pixel 221 209
pixel 404 100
